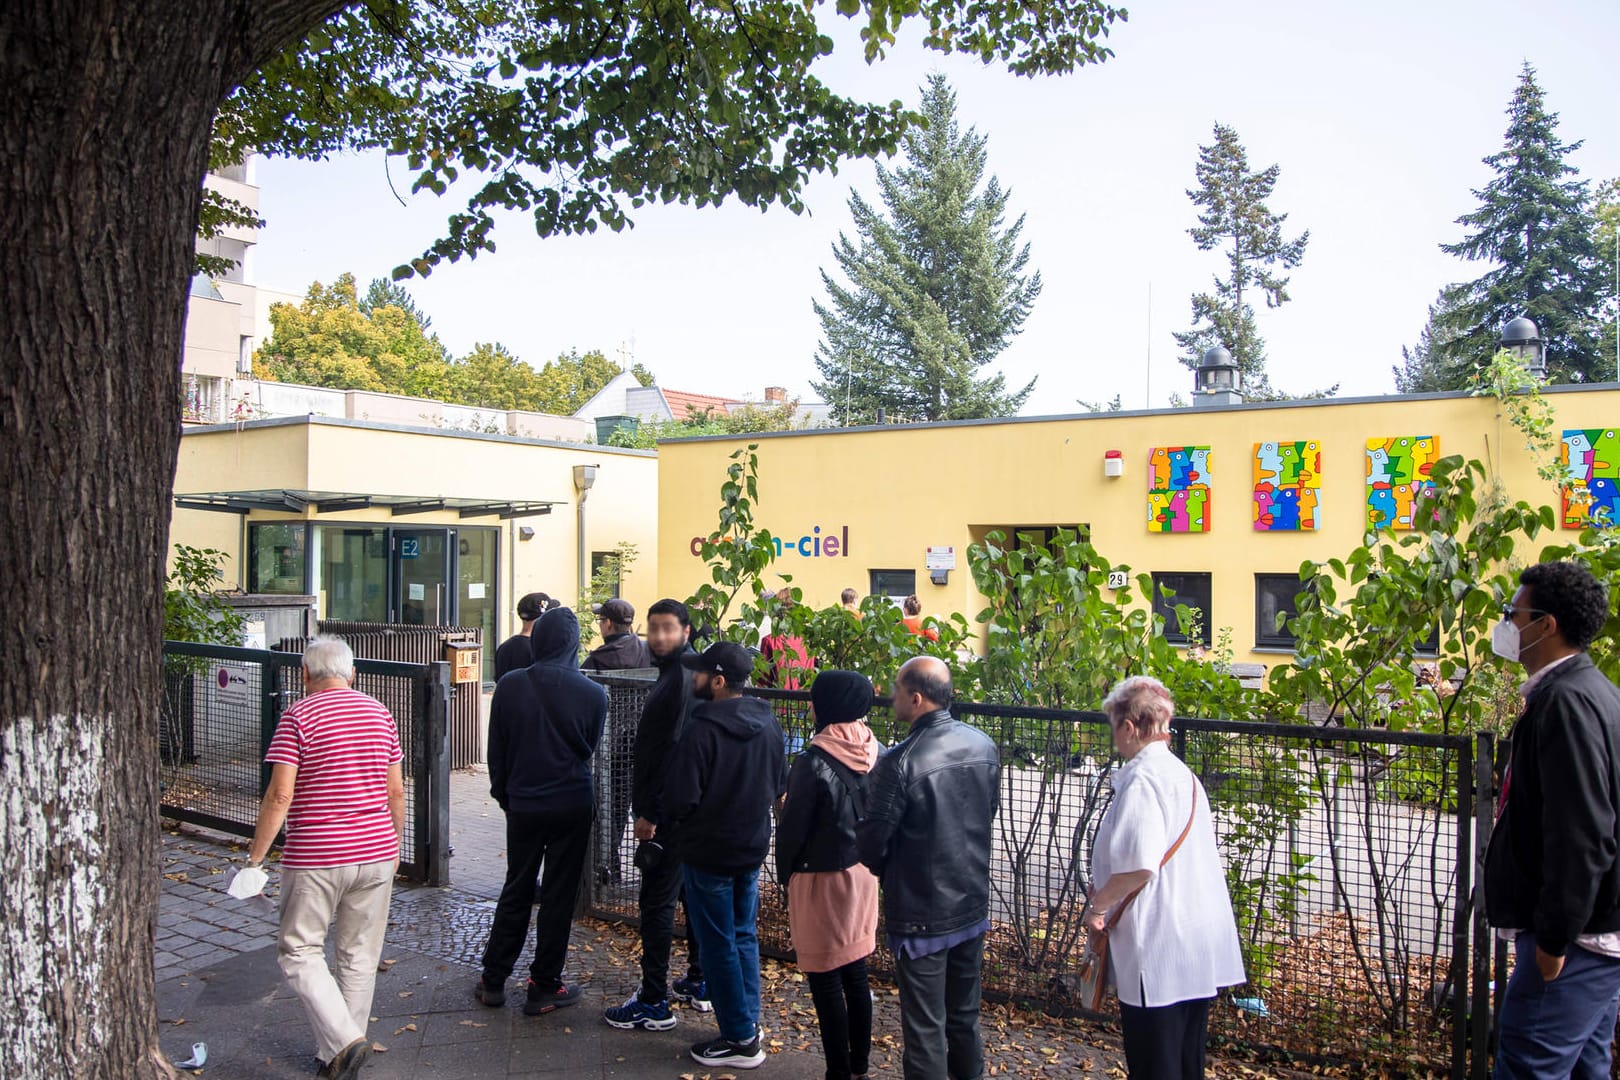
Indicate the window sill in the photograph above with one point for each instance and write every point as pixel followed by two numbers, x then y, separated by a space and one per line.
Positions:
pixel 1277 650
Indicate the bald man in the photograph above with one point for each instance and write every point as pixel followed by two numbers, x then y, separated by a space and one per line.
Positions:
pixel 926 835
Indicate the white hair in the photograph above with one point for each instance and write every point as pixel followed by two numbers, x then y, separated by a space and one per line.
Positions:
pixel 1144 701
pixel 328 657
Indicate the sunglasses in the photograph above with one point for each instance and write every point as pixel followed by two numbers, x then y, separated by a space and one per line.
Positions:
pixel 1508 610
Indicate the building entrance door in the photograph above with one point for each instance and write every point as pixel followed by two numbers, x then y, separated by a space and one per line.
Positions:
pixel 424 564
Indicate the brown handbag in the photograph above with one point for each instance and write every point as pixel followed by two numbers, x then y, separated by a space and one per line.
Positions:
pixel 1092 973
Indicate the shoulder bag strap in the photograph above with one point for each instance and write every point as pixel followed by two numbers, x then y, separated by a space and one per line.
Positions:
pixel 846 776
pixel 1168 855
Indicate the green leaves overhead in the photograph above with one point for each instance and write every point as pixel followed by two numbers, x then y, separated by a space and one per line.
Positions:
pixel 579 113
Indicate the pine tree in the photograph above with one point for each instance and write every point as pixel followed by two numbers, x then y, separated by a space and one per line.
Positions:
pixel 936 285
pixel 1535 224
pixel 1606 211
pixel 1423 370
pixel 1233 215
pixel 385 293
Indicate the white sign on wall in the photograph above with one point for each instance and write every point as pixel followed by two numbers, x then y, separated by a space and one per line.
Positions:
pixel 1118 579
pixel 940 558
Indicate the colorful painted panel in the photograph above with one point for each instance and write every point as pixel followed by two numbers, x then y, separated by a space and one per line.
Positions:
pixel 1590 458
pixel 1287 486
pixel 1398 478
pixel 1178 489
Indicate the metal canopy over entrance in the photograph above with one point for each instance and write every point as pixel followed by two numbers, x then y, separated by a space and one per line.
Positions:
pixel 292 501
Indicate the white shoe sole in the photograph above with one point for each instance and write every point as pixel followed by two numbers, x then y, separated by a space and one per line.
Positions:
pixel 697 1003
pixel 731 1062
pixel 650 1025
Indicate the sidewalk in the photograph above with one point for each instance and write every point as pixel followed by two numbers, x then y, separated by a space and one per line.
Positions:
pixel 218 983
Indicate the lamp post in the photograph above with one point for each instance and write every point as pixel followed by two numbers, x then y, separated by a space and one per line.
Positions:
pixel 1521 338
pixel 1217 380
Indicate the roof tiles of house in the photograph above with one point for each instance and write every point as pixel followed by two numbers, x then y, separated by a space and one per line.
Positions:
pixel 682 405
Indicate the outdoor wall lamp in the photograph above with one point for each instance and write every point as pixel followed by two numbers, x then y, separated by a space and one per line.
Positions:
pixel 1522 338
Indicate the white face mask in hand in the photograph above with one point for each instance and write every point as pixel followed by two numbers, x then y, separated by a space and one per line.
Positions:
pixel 249 881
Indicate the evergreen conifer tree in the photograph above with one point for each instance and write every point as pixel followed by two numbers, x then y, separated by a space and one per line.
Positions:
pixel 1234 217
pixel 1534 222
pixel 935 287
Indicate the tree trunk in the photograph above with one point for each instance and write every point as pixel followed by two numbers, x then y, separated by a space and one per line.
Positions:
pixel 109 107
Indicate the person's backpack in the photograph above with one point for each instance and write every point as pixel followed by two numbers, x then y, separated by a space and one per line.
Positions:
pixel 853 782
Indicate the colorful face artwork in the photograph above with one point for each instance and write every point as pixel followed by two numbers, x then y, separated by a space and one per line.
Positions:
pixel 1287 486
pixel 1178 489
pixel 1398 479
pixel 1590 458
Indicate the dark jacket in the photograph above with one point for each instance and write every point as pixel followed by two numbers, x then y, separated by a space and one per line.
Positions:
pixel 544 723
pixel 1552 865
pixel 663 717
pixel 727 770
pixel 514 654
pixel 816 833
pixel 930 803
pixel 618 652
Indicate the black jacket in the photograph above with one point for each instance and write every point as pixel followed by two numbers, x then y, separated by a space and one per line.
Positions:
pixel 930 803
pixel 663 717
pixel 727 770
pixel 618 652
pixel 816 833
pixel 514 654
pixel 1552 864
pixel 544 723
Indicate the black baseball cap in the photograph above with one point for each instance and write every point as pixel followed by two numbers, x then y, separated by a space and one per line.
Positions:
pixel 618 611
pixel 722 658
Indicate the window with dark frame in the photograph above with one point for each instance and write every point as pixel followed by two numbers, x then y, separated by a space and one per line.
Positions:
pixel 278 558
pixel 599 559
pixel 1275 594
pixel 895 584
pixel 1190 589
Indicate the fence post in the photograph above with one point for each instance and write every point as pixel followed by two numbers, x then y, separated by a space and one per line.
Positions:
pixel 433 811
pixel 269 712
pixel 1457 975
pixel 1485 1002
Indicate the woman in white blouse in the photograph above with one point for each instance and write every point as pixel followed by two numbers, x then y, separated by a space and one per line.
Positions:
pixel 1174 943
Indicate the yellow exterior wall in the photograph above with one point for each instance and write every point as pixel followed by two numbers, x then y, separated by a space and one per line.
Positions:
pixel 899 490
pixel 346 456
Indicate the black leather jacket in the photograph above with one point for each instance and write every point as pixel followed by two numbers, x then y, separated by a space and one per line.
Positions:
pixel 816 832
pixel 930 804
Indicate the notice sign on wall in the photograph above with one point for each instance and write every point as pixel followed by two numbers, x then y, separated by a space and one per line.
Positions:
pixel 940 558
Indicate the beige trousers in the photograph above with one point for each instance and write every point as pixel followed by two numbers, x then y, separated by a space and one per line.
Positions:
pixel 356 897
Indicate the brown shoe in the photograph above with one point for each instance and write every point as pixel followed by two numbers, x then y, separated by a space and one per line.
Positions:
pixel 346 1065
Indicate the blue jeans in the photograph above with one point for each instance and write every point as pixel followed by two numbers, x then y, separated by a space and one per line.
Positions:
pixel 1561 1028
pixel 722 909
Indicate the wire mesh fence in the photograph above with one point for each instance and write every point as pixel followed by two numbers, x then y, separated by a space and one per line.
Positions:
pixel 1346 854
pixel 219 713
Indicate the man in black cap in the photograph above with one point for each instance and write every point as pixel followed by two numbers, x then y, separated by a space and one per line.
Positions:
pixel 515 652
pixel 725 774
pixel 621 650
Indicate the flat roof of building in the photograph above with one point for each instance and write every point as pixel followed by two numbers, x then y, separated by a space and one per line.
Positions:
pixel 412 429
pixel 1248 406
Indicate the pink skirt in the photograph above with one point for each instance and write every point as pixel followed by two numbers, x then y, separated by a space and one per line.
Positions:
pixel 833 917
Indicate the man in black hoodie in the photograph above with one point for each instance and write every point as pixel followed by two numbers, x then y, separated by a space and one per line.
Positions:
pixel 663 717
pixel 544 723
pixel 725 774
pixel 1552 872
pixel 621 650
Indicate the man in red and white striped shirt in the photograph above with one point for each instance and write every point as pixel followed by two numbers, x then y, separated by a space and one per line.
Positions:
pixel 336 781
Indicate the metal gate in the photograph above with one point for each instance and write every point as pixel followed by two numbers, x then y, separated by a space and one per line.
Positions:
pixel 219 713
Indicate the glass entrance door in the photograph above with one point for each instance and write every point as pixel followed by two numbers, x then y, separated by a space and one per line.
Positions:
pixel 423 558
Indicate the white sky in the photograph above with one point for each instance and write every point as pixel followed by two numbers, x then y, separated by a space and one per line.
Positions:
pixel 1378 113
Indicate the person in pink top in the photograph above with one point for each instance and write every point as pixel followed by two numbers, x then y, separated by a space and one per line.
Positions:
pixel 337 783
pixel 832 898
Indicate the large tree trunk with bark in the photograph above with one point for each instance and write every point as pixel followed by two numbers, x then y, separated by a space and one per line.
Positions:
pixel 108 106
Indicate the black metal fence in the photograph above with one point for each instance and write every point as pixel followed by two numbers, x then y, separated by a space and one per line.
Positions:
pixel 220 708
pixel 1351 858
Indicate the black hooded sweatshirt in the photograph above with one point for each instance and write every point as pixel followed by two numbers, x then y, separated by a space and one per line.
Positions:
pixel 663 717
pixel 728 768
pixel 619 652
pixel 544 723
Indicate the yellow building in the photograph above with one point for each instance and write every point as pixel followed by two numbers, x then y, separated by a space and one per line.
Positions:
pixel 1209 500
pixel 390 523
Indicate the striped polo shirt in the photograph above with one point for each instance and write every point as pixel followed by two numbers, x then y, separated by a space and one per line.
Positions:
pixel 341 742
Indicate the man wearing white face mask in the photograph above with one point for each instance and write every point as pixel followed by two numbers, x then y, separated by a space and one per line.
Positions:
pixel 1552 873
